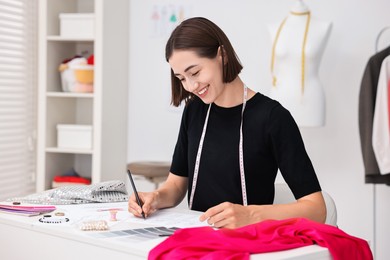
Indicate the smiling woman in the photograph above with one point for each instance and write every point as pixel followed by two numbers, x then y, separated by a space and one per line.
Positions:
pixel 195 74
pixel 18 67
pixel 209 48
pixel 232 140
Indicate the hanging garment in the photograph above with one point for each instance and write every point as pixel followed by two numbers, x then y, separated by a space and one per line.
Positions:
pixel 262 237
pixel 381 129
pixel 367 98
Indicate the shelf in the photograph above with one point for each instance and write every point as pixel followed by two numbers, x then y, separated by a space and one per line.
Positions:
pixel 68 150
pixel 107 157
pixel 58 38
pixel 69 95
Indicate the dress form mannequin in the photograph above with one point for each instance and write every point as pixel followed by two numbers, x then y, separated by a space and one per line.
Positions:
pixel 298 44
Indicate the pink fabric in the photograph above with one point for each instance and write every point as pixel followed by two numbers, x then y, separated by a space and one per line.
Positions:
pixel 266 236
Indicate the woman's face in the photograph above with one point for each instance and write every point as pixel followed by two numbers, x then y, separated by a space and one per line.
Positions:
pixel 200 76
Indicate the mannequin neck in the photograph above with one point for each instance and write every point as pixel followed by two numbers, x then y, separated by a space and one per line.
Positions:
pixel 299 8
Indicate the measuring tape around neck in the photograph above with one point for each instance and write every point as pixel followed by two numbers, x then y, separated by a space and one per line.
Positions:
pixel 241 155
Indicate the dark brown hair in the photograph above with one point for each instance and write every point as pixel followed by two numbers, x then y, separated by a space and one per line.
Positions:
pixel 204 37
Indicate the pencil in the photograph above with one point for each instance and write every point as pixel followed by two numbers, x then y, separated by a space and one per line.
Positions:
pixel 135 193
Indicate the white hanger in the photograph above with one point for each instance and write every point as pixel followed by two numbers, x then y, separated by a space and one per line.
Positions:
pixel 379 36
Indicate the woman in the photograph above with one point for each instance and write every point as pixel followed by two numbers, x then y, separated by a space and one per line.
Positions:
pixel 232 140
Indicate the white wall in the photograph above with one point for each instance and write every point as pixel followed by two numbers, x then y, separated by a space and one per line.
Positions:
pixel 334 148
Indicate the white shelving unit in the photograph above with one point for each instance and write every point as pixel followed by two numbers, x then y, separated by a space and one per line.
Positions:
pixel 105 109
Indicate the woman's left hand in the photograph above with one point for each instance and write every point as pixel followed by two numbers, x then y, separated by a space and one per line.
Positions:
pixel 228 215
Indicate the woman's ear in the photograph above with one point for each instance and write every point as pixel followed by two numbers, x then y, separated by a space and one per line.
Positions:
pixel 222 54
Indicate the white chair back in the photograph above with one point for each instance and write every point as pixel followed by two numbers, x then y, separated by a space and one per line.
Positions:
pixel 284 195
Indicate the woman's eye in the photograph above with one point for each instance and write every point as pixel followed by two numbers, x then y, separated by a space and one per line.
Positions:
pixel 196 73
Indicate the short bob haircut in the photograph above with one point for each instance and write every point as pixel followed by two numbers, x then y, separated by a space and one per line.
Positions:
pixel 204 37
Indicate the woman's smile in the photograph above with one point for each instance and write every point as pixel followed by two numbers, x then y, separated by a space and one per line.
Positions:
pixel 203 91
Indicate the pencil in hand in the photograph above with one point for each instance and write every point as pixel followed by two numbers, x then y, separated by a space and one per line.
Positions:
pixel 136 193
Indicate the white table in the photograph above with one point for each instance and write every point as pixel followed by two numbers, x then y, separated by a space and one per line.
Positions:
pixel 24 238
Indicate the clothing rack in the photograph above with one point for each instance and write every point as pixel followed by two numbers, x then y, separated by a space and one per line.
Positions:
pixel 384 29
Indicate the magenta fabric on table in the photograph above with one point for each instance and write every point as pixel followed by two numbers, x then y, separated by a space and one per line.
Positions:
pixel 262 237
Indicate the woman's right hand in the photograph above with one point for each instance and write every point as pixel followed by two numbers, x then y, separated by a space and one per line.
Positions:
pixel 149 202
pixel 170 194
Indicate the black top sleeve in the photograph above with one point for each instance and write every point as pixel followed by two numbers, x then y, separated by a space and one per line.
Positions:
pixel 290 153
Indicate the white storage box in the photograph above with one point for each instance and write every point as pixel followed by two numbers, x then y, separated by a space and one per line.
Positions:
pixel 77 25
pixel 74 136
